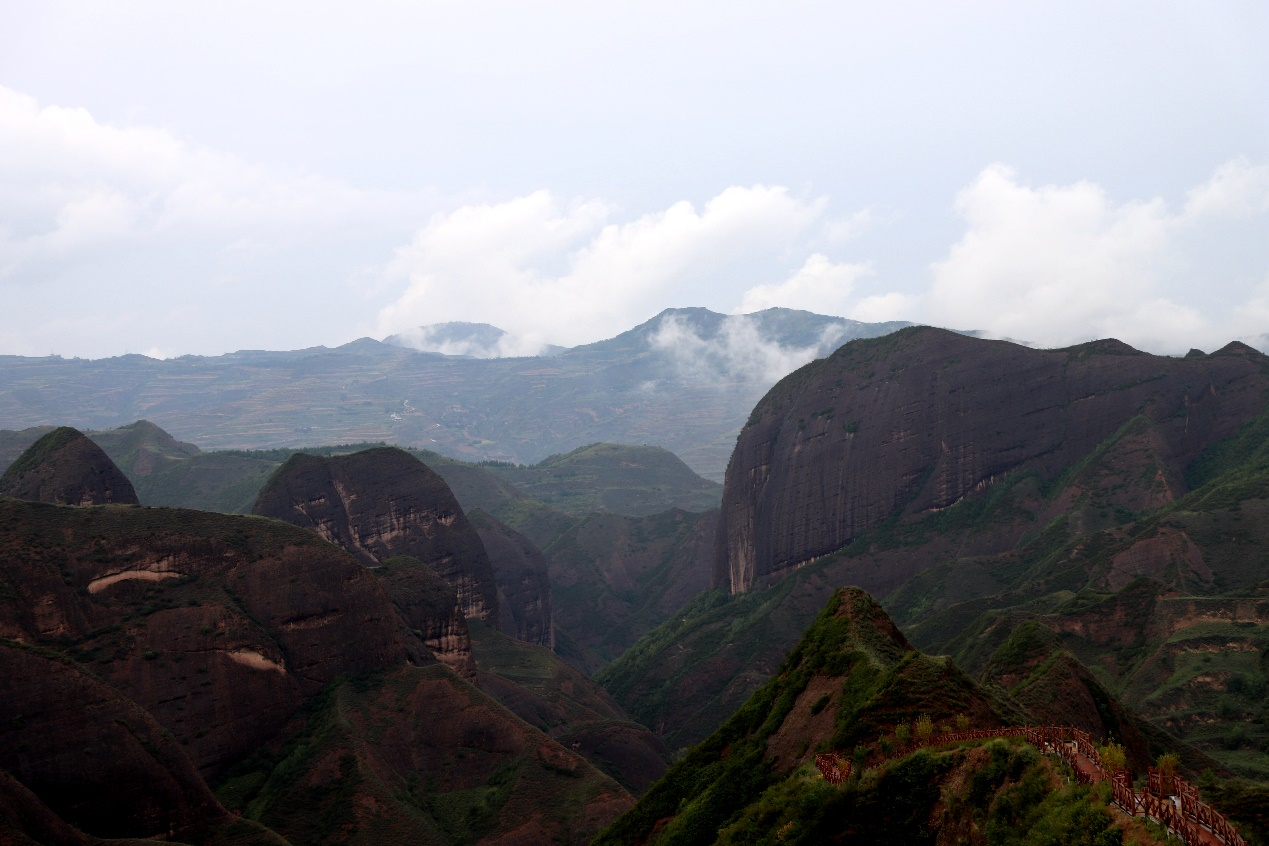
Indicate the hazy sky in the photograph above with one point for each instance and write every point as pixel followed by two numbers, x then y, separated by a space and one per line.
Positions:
pixel 179 177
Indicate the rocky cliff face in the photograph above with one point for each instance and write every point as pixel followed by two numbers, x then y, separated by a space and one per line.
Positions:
pixel 381 503
pixel 524 584
pixel 95 758
pixel 217 626
pixel 430 608
pixel 146 653
pixel 66 468
pixel 912 423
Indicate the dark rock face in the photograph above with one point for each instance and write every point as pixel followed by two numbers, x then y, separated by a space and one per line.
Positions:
pixel 92 756
pixel 916 421
pixel 380 503
pixel 206 635
pixel 66 468
pixel 218 626
pixel 24 819
pixel 430 608
pixel 524 585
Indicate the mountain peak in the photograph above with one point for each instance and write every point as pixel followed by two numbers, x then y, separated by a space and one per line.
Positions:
pixel 64 467
pixel 470 340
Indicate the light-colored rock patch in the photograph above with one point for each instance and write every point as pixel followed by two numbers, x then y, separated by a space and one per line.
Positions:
pixel 254 660
pixel 98 585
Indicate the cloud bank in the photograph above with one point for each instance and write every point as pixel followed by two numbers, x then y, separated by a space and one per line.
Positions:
pixel 129 232
pixel 1061 264
pixel 738 352
pixel 132 232
pixel 542 267
pixel 1051 265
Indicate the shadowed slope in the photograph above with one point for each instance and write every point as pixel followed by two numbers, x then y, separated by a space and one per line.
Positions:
pixel 922 419
pixel 384 502
pixel 66 468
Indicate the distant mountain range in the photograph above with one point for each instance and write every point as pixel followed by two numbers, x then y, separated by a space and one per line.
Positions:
pixel 684 380
pixel 470 340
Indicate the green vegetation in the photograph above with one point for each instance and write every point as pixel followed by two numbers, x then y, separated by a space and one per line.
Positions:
pixel 345 759
pixel 614 578
pixel 634 480
pixel 37 454
pixel 728 789
pixel 879 678
pixel 1005 791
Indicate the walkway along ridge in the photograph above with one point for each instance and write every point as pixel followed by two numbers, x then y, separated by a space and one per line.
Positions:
pixel 1168 799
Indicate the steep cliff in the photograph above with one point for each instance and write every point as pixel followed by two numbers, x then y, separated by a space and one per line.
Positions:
pixel 906 425
pixel 150 652
pixel 524 583
pixel 430 607
pixel 66 468
pixel 218 626
pixel 380 503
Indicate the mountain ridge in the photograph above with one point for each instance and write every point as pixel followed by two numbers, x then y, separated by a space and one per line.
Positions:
pixel 631 389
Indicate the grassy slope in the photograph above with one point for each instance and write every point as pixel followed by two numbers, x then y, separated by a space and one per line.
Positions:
pixel 1187 646
pixel 1070 529
pixel 366 767
pixel 560 700
pixel 634 480
pixel 731 781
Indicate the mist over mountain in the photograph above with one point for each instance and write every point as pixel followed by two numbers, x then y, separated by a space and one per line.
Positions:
pixel 684 380
pixel 470 340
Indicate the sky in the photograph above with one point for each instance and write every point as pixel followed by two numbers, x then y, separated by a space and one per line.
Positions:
pixel 202 178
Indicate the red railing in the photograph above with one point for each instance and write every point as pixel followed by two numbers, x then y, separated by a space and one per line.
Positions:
pixel 834 768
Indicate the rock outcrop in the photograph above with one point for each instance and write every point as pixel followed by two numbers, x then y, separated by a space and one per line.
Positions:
pixel 96 759
pixel 146 651
pixel 218 626
pixel 66 468
pixel 429 606
pixel 906 425
pixel 524 583
pixel 380 503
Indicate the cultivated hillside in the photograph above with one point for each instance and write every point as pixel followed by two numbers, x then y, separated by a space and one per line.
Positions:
pixel 684 380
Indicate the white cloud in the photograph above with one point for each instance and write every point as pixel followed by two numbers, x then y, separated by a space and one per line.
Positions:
pixel 819 285
pixel 70 185
pixel 1060 264
pixel 542 268
pixel 470 344
pixel 738 352
pixel 881 308
pixel 1237 189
